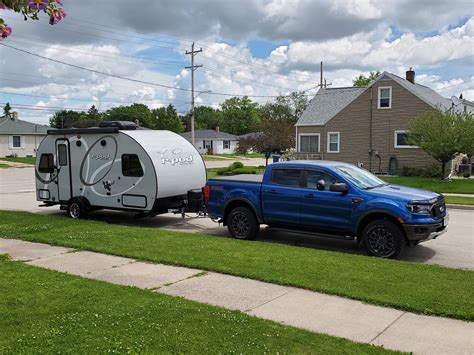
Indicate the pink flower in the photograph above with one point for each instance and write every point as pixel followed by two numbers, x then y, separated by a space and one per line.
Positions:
pixel 56 16
pixel 5 31
pixel 37 4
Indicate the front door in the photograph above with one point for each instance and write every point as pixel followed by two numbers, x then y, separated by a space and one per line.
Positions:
pixel 323 209
pixel 63 170
pixel 281 197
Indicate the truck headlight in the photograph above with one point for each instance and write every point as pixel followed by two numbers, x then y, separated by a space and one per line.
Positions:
pixel 419 208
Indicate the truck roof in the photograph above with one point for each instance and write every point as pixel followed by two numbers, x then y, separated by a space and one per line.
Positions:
pixel 312 163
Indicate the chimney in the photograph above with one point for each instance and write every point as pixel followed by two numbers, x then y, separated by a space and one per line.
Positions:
pixel 410 76
pixel 217 128
pixel 14 116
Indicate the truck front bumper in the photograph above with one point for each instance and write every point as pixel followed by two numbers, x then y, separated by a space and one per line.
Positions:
pixel 417 233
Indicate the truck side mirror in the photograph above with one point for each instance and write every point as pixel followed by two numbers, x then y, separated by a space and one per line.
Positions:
pixel 339 187
pixel 321 185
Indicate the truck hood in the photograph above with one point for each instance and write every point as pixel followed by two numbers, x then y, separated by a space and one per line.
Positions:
pixel 403 193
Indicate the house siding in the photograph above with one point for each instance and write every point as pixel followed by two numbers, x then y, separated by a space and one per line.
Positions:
pixel 30 145
pixel 353 123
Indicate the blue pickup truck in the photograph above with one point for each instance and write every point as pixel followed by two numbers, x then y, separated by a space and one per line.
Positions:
pixel 330 199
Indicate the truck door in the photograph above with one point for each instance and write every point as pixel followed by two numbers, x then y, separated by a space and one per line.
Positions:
pixel 63 170
pixel 324 209
pixel 281 197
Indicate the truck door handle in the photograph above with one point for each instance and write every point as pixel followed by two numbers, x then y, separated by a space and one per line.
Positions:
pixel 309 196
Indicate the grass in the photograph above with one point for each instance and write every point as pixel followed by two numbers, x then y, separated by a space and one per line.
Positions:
pixel 427 289
pixel 459 200
pixel 45 311
pixel 212 172
pixel 3 166
pixel 462 186
pixel 24 160
pixel 221 157
pixel 213 158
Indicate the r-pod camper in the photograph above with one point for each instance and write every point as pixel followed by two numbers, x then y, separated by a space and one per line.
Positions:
pixel 118 166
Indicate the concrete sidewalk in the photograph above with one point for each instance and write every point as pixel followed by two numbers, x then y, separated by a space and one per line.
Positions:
pixel 309 310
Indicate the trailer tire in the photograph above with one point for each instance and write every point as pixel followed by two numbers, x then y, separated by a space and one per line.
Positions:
pixel 76 208
pixel 242 223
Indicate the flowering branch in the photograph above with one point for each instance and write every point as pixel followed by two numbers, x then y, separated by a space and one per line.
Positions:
pixel 30 9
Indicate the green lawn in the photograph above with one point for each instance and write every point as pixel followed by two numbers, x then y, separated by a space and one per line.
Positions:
pixel 25 160
pixel 213 158
pixel 3 166
pixel 427 289
pixel 462 186
pixel 459 200
pixel 45 311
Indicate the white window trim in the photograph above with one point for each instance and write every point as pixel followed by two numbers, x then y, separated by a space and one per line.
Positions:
pixel 390 98
pixel 338 142
pixel 309 134
pixel 10 142
pixel 395 145
pixel 223 143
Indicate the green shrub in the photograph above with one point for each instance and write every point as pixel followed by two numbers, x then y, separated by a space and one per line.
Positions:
pixel 244 170
pixel 236 165
pixel 222 171
pixel 466 174
pixel 432 171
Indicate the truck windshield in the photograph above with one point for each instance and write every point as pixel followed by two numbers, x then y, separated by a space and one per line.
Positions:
pixel 360 177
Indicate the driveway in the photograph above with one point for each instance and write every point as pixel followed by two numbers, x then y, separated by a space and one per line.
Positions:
pixel 453 249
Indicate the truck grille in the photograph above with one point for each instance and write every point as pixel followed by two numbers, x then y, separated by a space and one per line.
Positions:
pixel 439 208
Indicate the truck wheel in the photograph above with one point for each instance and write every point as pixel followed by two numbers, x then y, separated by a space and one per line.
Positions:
pixel 76 208
pixel 382 238
pixel 242 223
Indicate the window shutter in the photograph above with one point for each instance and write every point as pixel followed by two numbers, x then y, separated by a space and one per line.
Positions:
pixel 22 142
pixel 10 142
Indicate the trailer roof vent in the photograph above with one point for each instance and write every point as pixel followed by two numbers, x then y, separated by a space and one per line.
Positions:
pixel 124 125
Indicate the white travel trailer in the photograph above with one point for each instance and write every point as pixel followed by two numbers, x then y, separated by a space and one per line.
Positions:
pixel 118 166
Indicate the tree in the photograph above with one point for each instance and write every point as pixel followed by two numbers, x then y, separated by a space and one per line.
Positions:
pixel 239 115
pixel 65 119
pixel 438 134
pixel 465 128
pixel 31 9
pixel 135 112
pixel 363 80
pixel 296 102
pixel 207 117
pixel 7 110
pixel 168 119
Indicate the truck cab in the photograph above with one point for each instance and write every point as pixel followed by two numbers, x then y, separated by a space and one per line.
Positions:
pixel 331 199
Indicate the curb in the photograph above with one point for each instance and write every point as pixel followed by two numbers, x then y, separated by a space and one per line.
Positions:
pixel 460 207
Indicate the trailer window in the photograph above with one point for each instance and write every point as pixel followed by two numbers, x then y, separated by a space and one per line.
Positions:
pixel 62 154
pixel 46 164
pixel 131 165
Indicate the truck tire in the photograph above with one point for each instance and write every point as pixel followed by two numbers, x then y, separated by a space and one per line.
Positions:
pixel 242 223
pixel 76 208
pixel 382 238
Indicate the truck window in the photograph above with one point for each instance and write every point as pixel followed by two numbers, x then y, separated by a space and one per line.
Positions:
pixel 314 176
pixel 62 154
pixel 131 165
pixel 286 177
pixel 46 164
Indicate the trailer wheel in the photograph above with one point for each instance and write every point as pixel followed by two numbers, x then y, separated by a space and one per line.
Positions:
pixel 76 208
pixel 242 223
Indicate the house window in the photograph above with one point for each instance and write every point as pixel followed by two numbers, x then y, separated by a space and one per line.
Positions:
pixel 131 165
pixel 226 144
pixel 401 140
pixel 385 97
pixel 333 142
pixel 309 143
pixel 16 141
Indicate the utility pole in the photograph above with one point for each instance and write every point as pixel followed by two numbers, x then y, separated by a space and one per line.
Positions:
pixel 321 75
pixel 193 68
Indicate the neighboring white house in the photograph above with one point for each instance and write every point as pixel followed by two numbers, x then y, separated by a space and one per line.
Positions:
pixel 209 141
pixel 19 137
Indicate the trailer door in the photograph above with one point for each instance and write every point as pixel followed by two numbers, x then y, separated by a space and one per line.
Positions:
pixel 64 170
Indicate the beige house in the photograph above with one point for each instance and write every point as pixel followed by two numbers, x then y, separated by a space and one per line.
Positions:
pixel 19 137
pixel 368 125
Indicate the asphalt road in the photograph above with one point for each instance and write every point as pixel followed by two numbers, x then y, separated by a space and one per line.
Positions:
pixel 453 249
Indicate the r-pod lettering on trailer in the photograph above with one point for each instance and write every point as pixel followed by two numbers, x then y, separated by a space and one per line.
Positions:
pixel 172 156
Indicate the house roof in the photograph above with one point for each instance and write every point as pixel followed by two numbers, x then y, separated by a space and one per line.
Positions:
pixel 252 135
pixel 328 102
pixel 209 134
pixel 10 126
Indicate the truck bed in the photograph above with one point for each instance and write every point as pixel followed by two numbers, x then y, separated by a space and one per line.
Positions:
pixel 245 178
